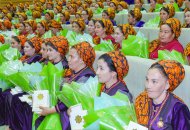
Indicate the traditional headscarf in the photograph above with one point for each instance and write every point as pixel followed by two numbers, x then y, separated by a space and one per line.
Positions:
pixel 78 13
pixel 32 23
pixel 175 26
pixel 175 73
pixel 21 5
pixel 36 42
pixel 160 1
pixel 100 4
pixel 44 24
pixel 43 1
pixel 66 14
pixel 51 14
pixel 123 4
pixel 90 13
pixel 9 16
pixel 120 64
pixel 23 15
pixel 86 52
pixel 115 2
pixel 111 13
pixel 180 3
pixel 84 6
pixel 36 14
pixel 127 29
pixel 74 6
pixel 88 1
pixel 170 8
pixel 61 44
pixel 81 23
pixel 187 50
pixel 78 3
pixel 55 24
pixel 137 14
pixel 59 8
pixel 108 25
pixel 22 39
pixel 2 39
pixel 7 24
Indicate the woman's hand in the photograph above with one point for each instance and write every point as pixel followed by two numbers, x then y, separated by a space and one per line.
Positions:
pixel 47 111
pixel 69 112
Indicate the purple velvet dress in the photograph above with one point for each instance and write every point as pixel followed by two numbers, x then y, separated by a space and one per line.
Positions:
pixel 139 24
pixel 80 77
pixel 171 114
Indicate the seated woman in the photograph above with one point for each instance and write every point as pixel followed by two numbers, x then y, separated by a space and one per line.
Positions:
pixel 122 6
pixel 112 68
pixel 81 58
pixel 49 5
pixel 43 51
pixel 113 4
pixel 65 17
pixel 187 19
pixel 49 16
pixel 98 5
pixel 42 28
pixel 104 30
pixel 91 28
pixel 30 27
pixel 82 7
pixel 158 108
pixel 122 32
pixel 139 4
pixel 36 15
pixel 5 25
pixel 22 17
pixel 152 6
pixel 166 12
pixel 22 30
pixel 31 50
pixel 168 35
pixel 72 9
pixel 18 43
pixel 87 15
pixel 78 15
pixel 57 10
pixel 187 52
pixel 55 27
pixel 134 17
pixel 109 14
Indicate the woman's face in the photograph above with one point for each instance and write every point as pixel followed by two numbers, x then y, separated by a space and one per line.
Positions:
pixel 152 3
pixel 40 29
pixel 77 16
pixel 99 30
pixel 118 35
pixel 105 16
pixel 119 8
pixel 71 9
pixel 76 28
pixel 55 10
pixel 74 60
pixel 84 15
pixel 138 4
pixel 187 17
pixel 91 27
pixel 52 54
pixel 28 28
pixel 28 50
pixel 21 19
pixel 103 72
pixel 166 35
pixel 131 19
pixel 21 28
pixel 15 44
pixel 163 15
pixel 47 17
pixel 113 6
pixel 62 17
pixel 43 51
pixel 156 84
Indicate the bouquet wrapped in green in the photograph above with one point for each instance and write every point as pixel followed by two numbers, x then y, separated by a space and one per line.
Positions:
pixel 48 34
pixel 173 55
pixel 158 7
pixel 124 11
pixel 135 46
pixel 98 10
pixel 153 22
pixel 104 46
pixel 176 7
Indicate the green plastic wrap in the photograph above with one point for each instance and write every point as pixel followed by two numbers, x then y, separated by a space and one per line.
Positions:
pixel 158 7
pixel 176 7
pixel 135 46
pixel 124 11
pixel 51 122
pixel 29 13
pixel 11 54
pixel 153 22
pixel 98 10
pixel 48 34
pixel 104 46
pixel 173 55
pixel 64 32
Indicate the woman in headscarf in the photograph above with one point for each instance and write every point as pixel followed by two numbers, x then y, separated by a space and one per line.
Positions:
pixel 36 15
pixel 18 43
pixel 65 17
pixel 49 16
pixel 109 14
pixel 122 32
pixel 55 27
pixel 152 6
pixel 121 6
pixel 78 15
pixel 166 12
pixel 187 19
pixel 168 35
pixel 72 9
pixel 91 28
pixel 88 3
pixel 22 30
pixel 134 18
pixel 80 60
pixel 30 27
pixel 112 68
pixel 78 26
pixel 139 4
pixel 49 5
pixel 5 25
pixel 82 7
pixel 87 15
pixel 113 4
pixel 2 39
pixel 158 108
pixel 42 28
pixel 57 10
pixel 98 5
pixel 22 17
pixel 43 51
pixel 187 52
pixel 31 50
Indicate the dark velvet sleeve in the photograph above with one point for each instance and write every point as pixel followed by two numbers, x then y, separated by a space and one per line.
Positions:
pixel 181 117
pixel 60 107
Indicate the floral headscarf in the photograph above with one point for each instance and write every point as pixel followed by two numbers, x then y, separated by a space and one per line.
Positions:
pixel 22 40
pixel 2 39
pixel 32 24
pixel 137 14
pixel 123 4
pixel 81 23
pixel 111 13
pixel 108 25
pixel 44 24
pixel 171 9
pixel 36 42
pixel 23 15
pixel 55 24
pixel 187 50
pixel 36 14
pixel 127 29
pixel 66 14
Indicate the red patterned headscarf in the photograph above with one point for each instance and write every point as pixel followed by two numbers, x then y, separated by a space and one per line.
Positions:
pixel 2 39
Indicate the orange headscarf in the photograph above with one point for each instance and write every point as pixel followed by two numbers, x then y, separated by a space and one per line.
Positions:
pixel 36 14
pixel 137 14
pixel 123 4
pixel 59 8
pixel 81 23
pixel 23 15
pixel 108 25
pixel 36 42
pixel 127 29
pixel 51 14
pixel 74 6
pixel 160 1
pixel 175 73
pixel 100 4
pixel 9 16
pixel 7 24
pixel 90 13
pixel 86 52
pixel 61 44
pixel 2 39
pixel 120 64
pixel 22 39
pixel 115 2
pixel 111 13
pixel 44 24
pixel 180 3
pixel 187 50
pixel 32 24
pixel 66 14
pixel 170 9
pixel 55 24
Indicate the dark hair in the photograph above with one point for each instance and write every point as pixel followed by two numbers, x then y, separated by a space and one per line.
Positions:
pixel 101 23
pixel 106 12
pixel 16 39
pixel 160 68
pixel 30 43
pixel 109 61
pixel 51 45
pixel 93 20
pixel 132 13
pixel 165 9
pixel 120 28
pixel 77 23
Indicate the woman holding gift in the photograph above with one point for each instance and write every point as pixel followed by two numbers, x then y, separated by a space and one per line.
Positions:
pixel 168 35
pixel 42 28
pixel 18 43
pixel 158 108
pixel 55 27
pixel 109 14
pixel 30 27
pixel 187 52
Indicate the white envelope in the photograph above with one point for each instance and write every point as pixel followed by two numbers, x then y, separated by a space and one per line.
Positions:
pixel 40 98
pixel 76 117
pixel 134 126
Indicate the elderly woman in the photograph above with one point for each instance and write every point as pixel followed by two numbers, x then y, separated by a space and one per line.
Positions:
pixel 166 12
pixel 81 58
pixel 112 68
pixel 18 43
pixel 168 35
pixel 134 17
pixel 42 28
pixel 109 14
pixel 122 32
pixel 187 19
pixel 158 108
pixel 65 17
pixel 55 27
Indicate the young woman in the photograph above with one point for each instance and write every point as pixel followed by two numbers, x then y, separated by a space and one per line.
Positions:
pixel 109 14
pixel 22 30
pixel 158 108
pixel 18 43
pixel 65 17
pixel 42 28
pixel 30 27
pixel 49 16
pixel 122 6
pixel 87 15
pixel 187 52
pixel 55 27
pixel 134 18
pixel 168 35
pixel 112 68
pixel 22 17
pixel 91 27
pixel 187 19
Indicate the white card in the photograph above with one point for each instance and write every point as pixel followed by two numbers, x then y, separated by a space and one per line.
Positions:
pixel 76 117
pixel 40 98
pixel 134 126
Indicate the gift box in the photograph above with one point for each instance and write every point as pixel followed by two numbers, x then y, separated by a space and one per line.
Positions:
pixel 134 126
